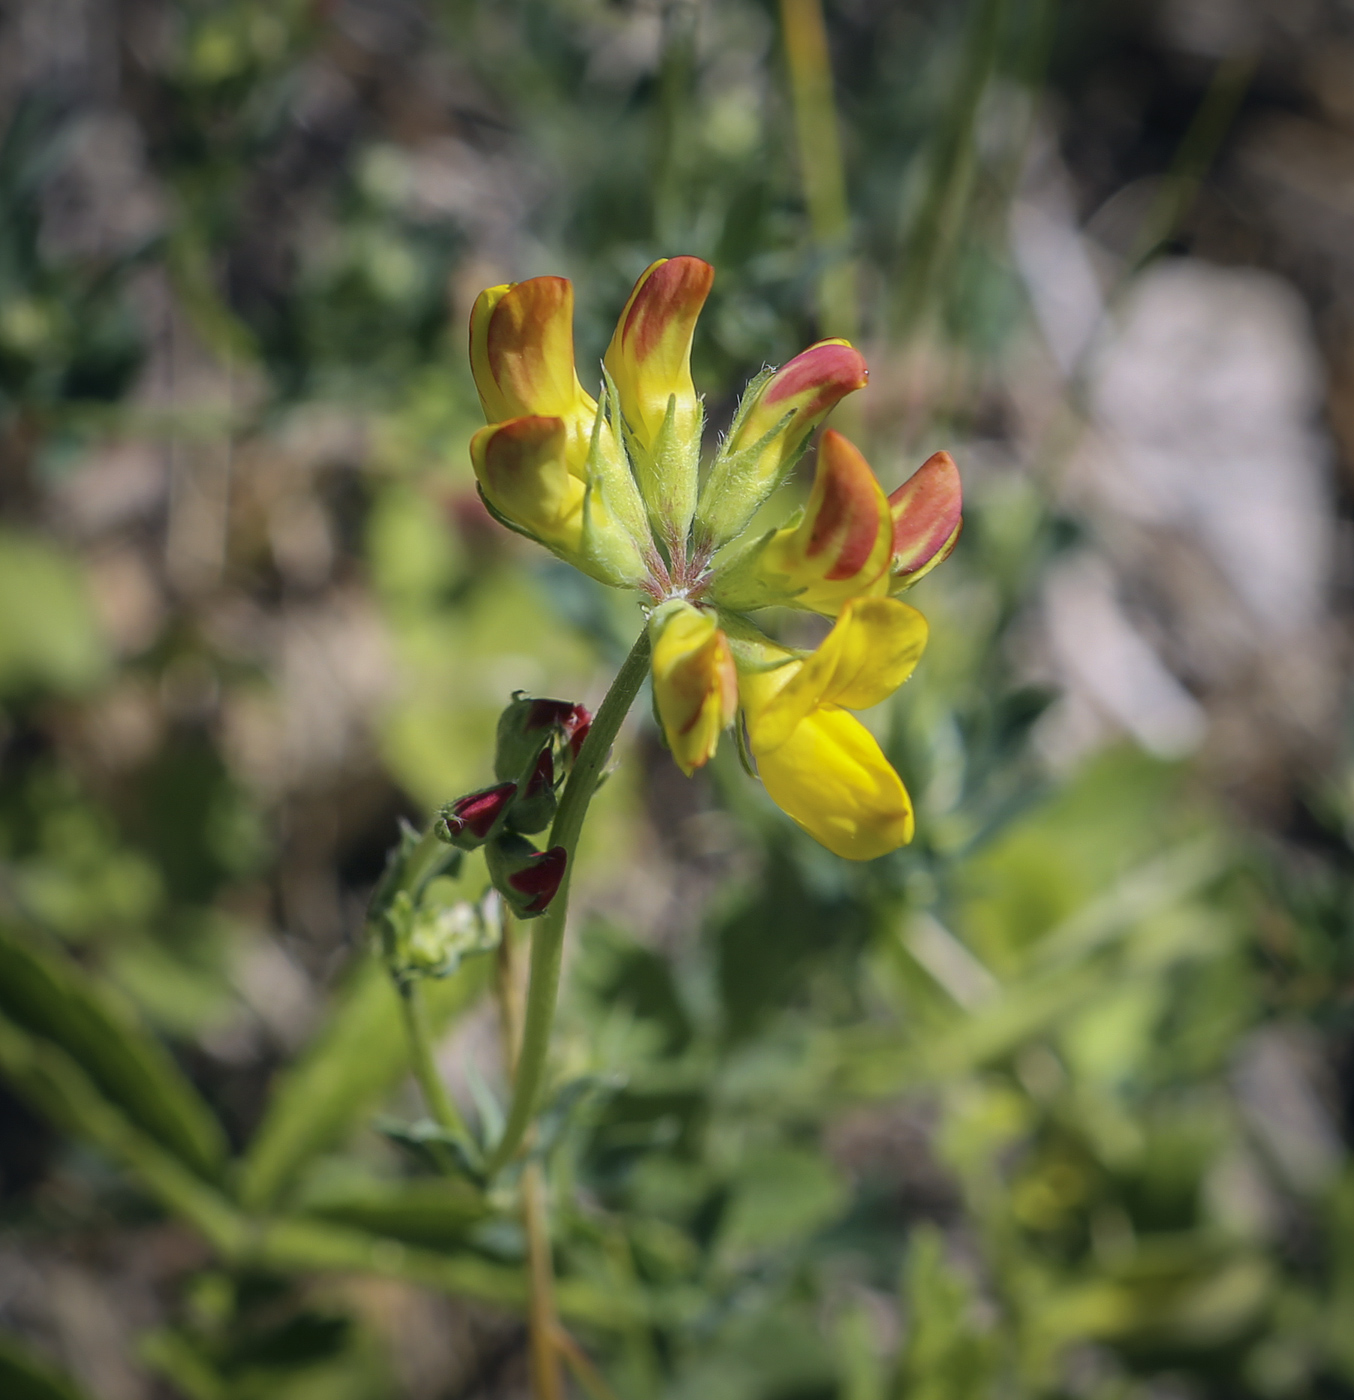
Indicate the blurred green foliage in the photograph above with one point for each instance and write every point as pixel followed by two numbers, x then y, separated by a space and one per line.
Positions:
pixel 978 1119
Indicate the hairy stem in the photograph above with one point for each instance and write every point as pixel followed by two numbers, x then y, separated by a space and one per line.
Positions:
pixel 547 932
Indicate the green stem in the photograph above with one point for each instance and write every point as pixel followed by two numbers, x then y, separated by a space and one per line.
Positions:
pixel 439 1103
pixel 547 935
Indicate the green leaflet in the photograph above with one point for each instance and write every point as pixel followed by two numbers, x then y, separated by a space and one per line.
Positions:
pixel 47 995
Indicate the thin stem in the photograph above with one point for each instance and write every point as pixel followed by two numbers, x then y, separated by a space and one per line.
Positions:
pixel 509 989
pixel 579 1362
pixel 439 1103
pixel 547 1380
pixel 547 933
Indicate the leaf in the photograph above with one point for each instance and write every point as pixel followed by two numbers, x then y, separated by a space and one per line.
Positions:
pixel 48 636
pixel 782 1195
pixel 47 995
pixel 24 1377
pixel 948 1355
pixel 434 1148
pixel 359 1055
pixel 428 1212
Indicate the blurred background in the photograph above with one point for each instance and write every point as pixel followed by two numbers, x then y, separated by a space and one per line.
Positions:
pixel 1057 1101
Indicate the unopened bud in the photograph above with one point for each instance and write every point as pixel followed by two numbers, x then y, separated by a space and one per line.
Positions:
pixel 527 878
pixel 471 820
pixel 927 515
pixel 528 725
pixel 535 808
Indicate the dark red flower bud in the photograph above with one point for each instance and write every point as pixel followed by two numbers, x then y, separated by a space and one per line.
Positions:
pixel 539 882
pixel 471 820
pixel 528 724
pixel 543 778
pixel 527 878
pixel 535 809
pixel 576 727
pixel 572 721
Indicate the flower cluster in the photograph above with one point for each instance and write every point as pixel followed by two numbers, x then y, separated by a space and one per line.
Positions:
pixel 537 743
pixel 615 489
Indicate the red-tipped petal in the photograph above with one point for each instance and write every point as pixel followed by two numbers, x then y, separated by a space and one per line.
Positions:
pixel 844 509
pixel 525 350
pixel 663 308
pixel 808 387
pixel 927 512
pixel 539 881
pixel 478 812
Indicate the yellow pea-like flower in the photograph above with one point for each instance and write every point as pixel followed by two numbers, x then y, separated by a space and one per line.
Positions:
pixel 771 427
pixel 649 361
pixel 695 684
pixel 818 763
pixel 839 550
pixel 520 466
pixel 612 490
pixel 522 358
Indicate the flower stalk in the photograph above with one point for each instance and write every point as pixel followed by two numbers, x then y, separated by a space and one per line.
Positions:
pixel 547 934
pixel 439 1103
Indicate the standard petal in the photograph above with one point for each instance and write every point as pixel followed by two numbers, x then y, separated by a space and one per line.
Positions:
pixel 873 648
pixel 521 469
pixel 771 427
pixel 831 777
pixel 649 358
pixel 522 357
pixel 839 550
pixel 927 512
pixel 694 681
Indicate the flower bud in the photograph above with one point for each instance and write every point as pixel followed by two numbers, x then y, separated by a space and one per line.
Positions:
pixel 471 820
pixel 529 724
pixel 838 549
pixel 649 362
pixel 774 420
pixel 694 683
pixel 927 512
pixel 527 879
pixel 535 808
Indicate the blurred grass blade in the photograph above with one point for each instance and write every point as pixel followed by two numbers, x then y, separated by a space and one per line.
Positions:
pixel 46 995
pixel 54 1084
pixel 931 241
pixel 1149 888
pixel 1198 148
pixel 358 1057
pixel 820 162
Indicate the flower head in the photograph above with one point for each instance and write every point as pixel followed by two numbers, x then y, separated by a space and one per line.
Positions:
pixel 611 487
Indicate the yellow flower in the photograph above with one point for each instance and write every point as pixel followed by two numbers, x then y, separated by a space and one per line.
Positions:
pixel 818 763
pixel 649 362
pixel 695 685
pixel 611 488
pixel 777 414
pixel 522 357
pixel 840 549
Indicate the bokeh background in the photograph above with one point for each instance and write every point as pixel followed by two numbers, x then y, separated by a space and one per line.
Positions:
pixel 1055 1103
